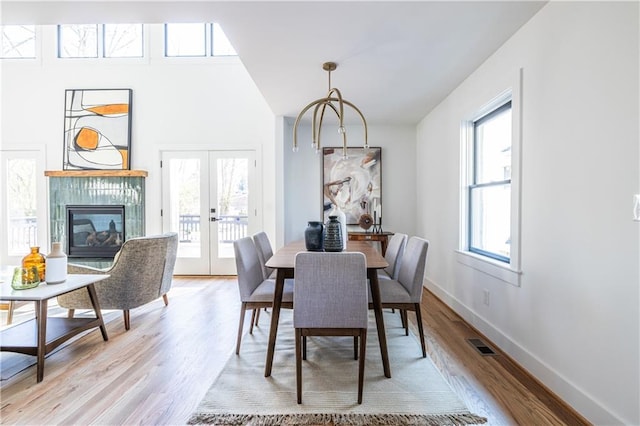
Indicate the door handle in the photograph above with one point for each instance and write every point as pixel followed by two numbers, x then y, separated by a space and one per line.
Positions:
pixel 214 219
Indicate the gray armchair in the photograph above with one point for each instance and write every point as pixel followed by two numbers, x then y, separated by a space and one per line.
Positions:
pixel 142 271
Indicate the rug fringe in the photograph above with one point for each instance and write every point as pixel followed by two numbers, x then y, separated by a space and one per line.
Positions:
pixel 337 419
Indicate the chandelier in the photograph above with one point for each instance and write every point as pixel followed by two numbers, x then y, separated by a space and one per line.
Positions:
pixel 334 101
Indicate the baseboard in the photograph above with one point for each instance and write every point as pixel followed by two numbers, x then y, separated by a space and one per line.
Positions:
pixel 575 398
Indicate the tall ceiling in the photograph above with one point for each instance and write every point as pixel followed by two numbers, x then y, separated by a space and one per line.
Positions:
pixel 396 60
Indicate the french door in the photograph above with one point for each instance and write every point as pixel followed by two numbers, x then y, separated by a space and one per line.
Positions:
pixel 208 198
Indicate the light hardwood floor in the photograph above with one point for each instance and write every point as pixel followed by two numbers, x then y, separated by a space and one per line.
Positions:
pixel 159 371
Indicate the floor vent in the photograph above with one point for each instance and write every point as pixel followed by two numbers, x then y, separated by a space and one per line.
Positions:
pixel 481 347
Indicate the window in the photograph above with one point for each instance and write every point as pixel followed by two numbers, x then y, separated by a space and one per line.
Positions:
pixel 18 41
pixel 23 204
pixel 196 40
pixel 490 186
pixel 104 40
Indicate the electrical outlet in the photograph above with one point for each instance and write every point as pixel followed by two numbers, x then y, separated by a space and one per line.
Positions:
pixel 485 293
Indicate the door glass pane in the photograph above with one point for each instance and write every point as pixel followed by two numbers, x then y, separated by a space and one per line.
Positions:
pixel 21 205
pixel 233 202
pixel 185 204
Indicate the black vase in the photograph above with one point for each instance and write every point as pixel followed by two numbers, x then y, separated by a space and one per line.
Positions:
pixel 333 235
pixel 314 236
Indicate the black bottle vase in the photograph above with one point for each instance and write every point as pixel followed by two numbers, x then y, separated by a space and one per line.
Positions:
pixel 314 236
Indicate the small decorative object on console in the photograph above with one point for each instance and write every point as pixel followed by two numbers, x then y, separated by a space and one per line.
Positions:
pixel 366 221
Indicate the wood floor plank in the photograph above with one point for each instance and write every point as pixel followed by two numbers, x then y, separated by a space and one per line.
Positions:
pixel 158 372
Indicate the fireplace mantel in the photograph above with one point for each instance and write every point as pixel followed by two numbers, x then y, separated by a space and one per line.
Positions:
pixel 96 173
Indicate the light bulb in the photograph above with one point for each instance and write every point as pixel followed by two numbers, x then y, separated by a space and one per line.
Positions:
pixel 295 148
pixel 341 130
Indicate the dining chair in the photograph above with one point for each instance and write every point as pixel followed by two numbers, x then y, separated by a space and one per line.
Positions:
pixel 405 293
pixel 265 251
pixel 330 299
pixel 393 256
pixel 255 291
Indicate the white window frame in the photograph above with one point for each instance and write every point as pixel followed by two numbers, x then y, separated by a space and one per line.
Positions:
pixel 508 272
pixel 101 47
pixel 37 53
pixel 209 42
pixel 38 154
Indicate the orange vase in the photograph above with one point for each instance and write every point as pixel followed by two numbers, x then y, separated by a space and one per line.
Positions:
pixel 37 259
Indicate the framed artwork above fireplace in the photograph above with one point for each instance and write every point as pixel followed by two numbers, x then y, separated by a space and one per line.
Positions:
pixel 97 129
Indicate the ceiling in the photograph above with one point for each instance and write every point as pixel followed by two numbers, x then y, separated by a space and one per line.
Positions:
pixel 396 60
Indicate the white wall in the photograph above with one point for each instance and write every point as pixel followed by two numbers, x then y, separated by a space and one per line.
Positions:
pixel 302 176
pixel 574 321
pixel 177 103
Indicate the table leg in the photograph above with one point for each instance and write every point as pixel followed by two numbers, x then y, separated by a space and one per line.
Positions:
pixel 41 324
pixel 275 317
pixel 96 307
pixel 372 274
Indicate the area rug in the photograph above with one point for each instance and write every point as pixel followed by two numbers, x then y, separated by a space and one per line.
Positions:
pixel 416 394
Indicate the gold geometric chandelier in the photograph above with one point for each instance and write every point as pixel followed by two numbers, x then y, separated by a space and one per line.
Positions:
pixel 334 101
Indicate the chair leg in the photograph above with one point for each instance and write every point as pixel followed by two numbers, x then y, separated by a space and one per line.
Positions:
pixel 166 299
pixel 363 348
pixel 253 319
pixel 355 347
pixel 299 365
pixel 420 329
pixel 402 318
pixel 406 322
pixel 240 326
pixel 257 316
pixel 127 319
pixel 70 313
pixel 304 348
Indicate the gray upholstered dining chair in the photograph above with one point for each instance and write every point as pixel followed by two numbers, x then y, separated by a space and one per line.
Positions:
pixel 405 293
pixel 330 299
pixel 265 251
pixel 255 292
pixel 142 271
pixel 393 256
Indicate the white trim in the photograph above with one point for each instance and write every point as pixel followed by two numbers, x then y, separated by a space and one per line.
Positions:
pixel 510 272
pixel 500 270
pixel 530 362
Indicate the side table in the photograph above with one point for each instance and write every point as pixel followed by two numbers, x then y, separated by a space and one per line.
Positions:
pixel 41 335
pixel 381 237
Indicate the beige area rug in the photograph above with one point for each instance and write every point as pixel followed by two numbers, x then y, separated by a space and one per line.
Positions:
pixel 416 394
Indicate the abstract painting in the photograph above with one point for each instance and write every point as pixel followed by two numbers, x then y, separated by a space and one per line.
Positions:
pixel 97 129
pixel 353 184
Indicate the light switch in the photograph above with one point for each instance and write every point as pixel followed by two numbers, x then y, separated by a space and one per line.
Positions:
pixel 636 207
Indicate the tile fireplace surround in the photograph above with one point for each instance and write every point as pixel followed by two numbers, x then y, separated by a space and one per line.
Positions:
pixel 96 187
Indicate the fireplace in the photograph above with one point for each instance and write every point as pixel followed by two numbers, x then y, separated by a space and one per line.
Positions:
pixel 94 231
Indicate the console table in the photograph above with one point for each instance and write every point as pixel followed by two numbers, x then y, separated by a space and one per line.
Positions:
pixel 42 335
pixel 381 237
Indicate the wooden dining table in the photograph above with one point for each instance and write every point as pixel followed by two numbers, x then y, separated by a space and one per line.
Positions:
pixel 284 262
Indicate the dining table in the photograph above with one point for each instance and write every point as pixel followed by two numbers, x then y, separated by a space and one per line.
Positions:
pixel 283 261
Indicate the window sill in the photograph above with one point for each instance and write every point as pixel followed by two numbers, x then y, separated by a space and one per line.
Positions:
pixel 496 269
